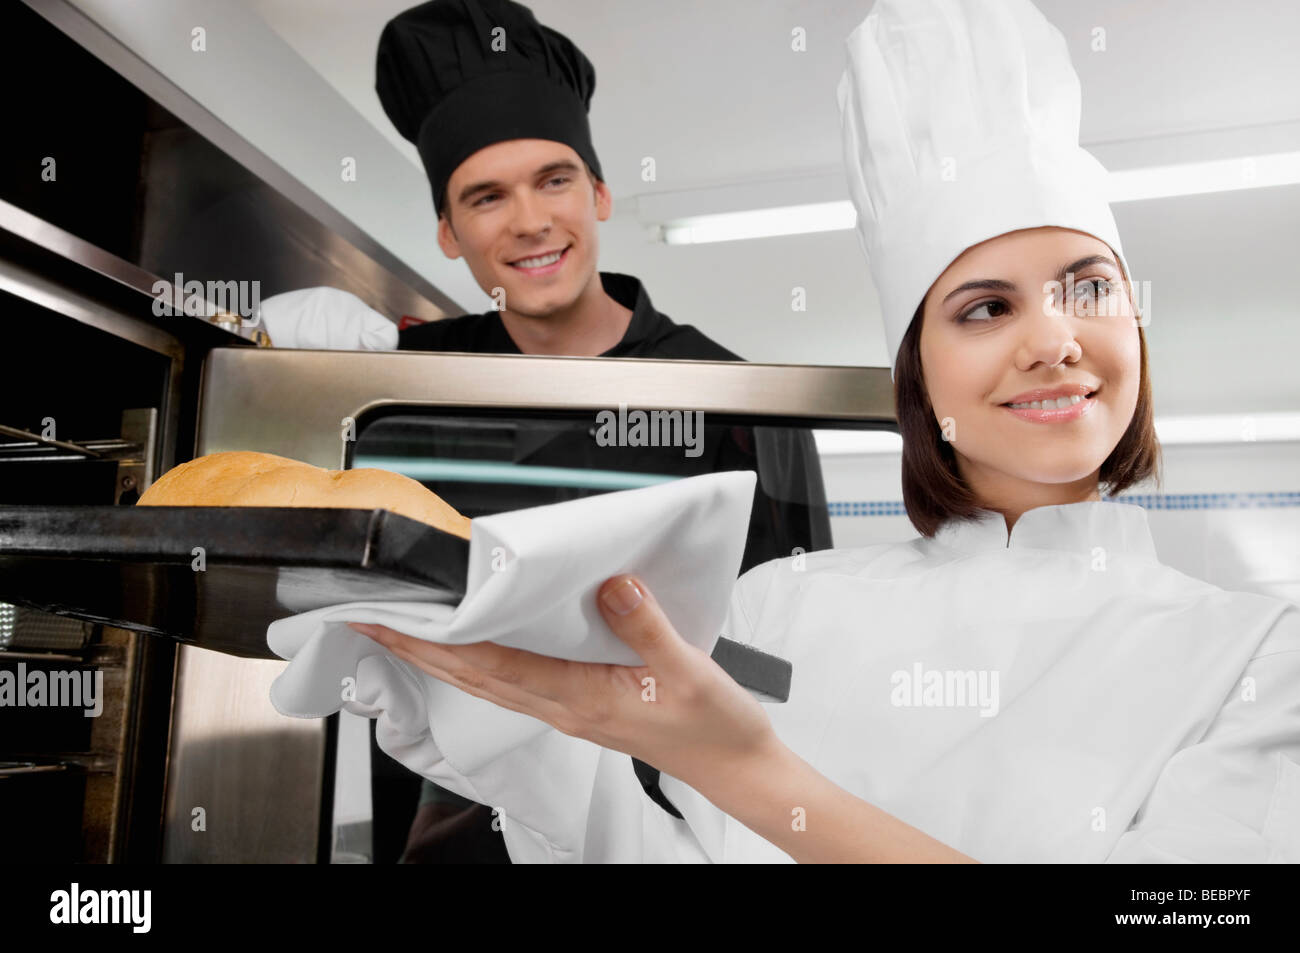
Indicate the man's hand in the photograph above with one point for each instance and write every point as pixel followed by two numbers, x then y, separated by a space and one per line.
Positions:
pixel 326 318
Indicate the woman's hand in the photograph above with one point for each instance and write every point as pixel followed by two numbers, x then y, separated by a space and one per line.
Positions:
pixel 680 712
pixel 690 720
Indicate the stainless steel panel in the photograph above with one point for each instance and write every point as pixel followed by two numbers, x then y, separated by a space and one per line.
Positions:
pixel 404 291
pixel 250 776
pixel 136 473
pixel 52 238
pixel 39 290
pixel 294 403
pixel 27 284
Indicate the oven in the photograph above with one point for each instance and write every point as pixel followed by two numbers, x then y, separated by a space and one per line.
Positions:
pixel 100 392
pixel 94 403
pixel 124 738
pixel 188 729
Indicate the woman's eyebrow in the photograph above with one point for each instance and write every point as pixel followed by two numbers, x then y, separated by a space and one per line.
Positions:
pixel 982 284
pixel 997 284
pixel 1083 263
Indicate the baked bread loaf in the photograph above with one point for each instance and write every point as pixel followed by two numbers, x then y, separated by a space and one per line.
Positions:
pixel 244 478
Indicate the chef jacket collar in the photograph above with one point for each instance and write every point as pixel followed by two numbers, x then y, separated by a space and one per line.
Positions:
pixel 1068 527
pixel 631 294
pixel 644 327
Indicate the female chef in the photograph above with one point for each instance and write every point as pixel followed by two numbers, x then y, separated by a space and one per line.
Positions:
pixel 1023 682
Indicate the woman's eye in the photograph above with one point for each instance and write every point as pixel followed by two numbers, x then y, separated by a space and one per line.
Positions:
pixel 1086 293
pixel 990 310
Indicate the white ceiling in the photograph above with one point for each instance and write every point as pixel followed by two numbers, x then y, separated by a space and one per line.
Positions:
pixel 714 92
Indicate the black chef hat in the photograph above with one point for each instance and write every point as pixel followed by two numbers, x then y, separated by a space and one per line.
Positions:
pixel 450 88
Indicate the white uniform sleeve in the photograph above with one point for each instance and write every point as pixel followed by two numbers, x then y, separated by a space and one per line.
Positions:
pixel 713 829
pixel 326 318
pixel 559 799
pixel 1235 796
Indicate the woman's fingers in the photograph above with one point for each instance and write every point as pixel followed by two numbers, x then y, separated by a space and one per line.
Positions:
pixel 477 670
pixel 635 616
pixel 542 674
pixel 686 718
pixel 601 703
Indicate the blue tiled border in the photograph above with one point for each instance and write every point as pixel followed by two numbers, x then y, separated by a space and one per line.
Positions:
pixel 870 508
pixel 1151 501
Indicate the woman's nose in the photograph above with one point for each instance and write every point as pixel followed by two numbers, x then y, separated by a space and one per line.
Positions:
pixel 1048 336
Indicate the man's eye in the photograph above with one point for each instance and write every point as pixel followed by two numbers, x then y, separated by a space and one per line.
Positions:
pixel 993 309
pixel 484 199
pixel 558 178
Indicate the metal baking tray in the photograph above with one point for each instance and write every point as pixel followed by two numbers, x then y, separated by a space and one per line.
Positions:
pixel 136 568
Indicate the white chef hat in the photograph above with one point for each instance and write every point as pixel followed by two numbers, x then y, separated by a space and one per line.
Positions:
pixel 960 123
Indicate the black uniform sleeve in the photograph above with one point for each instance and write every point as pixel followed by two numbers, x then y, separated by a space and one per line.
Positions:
pixel 686 343
pixel 469 333
pixel 421 337
pixel 790 511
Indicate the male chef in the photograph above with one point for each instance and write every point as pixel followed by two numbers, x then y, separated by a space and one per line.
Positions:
pixel 497 105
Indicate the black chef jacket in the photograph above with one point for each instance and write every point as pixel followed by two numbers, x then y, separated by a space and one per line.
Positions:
pixel 649 333
pixel 789 506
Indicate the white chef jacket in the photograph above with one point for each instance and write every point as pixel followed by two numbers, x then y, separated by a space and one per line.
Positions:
pixel 1140 715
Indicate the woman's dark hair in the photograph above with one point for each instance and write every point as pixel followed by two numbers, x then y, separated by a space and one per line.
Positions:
pixel 933 489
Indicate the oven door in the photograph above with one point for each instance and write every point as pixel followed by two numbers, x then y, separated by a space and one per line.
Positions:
pixel 488 433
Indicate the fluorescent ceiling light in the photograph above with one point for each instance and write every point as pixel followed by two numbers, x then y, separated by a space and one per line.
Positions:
pixel 1229 428
pixel 1208 429
pixel 1195 178
pixel 1198 178
pixel 761 223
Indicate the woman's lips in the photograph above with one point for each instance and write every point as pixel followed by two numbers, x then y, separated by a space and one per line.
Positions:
pixel 1056 414
pixel 544 269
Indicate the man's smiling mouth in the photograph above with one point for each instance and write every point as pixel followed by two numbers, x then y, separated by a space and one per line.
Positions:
pixel 541 261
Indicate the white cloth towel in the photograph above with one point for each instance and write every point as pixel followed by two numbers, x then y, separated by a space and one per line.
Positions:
pixel 532 583
pixel 326 319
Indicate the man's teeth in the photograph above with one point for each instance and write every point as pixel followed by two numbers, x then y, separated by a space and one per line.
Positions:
pixel 1047 404
pixel 538 262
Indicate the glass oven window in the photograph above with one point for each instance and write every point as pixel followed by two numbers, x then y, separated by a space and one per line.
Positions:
pixel 485 461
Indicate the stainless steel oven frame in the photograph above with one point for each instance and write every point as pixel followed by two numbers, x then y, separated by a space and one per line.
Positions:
pixel 270 782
